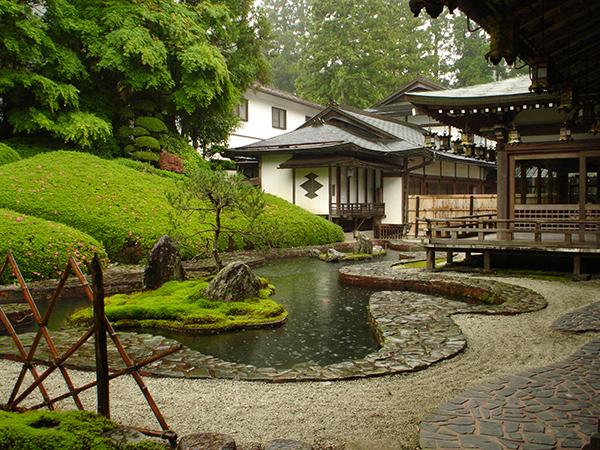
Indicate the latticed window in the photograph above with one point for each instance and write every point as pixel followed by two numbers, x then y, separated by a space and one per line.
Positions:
pixel 279 118
pixel 241 110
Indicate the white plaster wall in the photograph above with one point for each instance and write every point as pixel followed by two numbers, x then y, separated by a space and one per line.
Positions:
pixel 362 179
pixel 259 125
pixel 447 168
pixel 319 204
pixel 392 197
pixel 462 171
pixel 276 181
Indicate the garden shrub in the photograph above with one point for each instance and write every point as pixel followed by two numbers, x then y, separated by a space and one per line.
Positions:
pixel 146 156
pixel 7 154
pixel 147 168
pixel 125 132
pixel 147 142
pixel 181 305
pixel 60 430
pixel 124 208
pixel 40 247
pixel 152 124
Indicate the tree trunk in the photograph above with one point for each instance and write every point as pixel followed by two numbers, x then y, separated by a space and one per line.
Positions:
pixel 215 249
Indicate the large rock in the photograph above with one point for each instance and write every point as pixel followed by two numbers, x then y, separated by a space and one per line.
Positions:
pixel 363 244
pixel 235 282
pixel 207 441
pixel 332 255
pixel 164 264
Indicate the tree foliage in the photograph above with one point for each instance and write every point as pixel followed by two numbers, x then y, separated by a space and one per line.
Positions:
pixel 208 195
pixel 78 69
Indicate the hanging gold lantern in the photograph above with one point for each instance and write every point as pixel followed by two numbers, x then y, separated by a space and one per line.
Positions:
pixel 538 73
pixel 565 133
pixel 445 142
pixel 466 138
pixel 429 140
pixel 514 137
pixel 595 129
pixel 566 99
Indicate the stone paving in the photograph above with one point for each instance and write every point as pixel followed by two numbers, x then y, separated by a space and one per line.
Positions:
pixel 580 320
pixel 554 407
pixel 415 330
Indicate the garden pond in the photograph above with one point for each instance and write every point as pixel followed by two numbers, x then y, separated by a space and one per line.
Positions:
pixel 328 321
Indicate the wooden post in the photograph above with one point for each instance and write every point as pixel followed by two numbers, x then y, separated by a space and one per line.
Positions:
pixel 102 376
pixel 294 185
pixel 582 196
pixel 338 188
pixel 417 206
pixel 329 190
pixel 502 183
pixel 577 265
pixel 449 257
pixel 487 262
pixel 430 259
pixel 471 205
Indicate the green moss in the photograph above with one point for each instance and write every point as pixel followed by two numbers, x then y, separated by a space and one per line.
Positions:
pixel 127 210
pixel 41 247
pixel 439 262
pixel 65 430
pixel 147 142
pixel 182 306
pixel 147 168
pixel 7 154
pixel 152 124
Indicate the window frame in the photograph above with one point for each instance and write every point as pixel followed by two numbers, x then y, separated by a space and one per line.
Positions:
pixel 239 109
pixel 276 118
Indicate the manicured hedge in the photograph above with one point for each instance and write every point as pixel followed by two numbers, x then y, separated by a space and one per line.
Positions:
pixel 41 247
pixel 7 154
pixel 126 210
pixel 64 430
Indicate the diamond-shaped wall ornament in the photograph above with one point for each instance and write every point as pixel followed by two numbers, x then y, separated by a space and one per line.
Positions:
pixel 311 185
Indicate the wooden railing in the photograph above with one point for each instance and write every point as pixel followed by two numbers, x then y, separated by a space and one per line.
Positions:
pixel 358 210
pixel 568 233
pixel 389 231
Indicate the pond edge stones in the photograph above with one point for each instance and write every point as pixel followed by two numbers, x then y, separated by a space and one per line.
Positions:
pixel 415 330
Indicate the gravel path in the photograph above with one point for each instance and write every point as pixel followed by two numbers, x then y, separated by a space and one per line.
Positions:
pixel 373 413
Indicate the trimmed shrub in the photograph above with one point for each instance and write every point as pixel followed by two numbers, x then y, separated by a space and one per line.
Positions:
pixel 125 132
pixel 127 210
pixel 40 247
pixel 147 142
pixel 152 124
pixel 7 154
pixel 60 430
pixel 146 156
pixel 147 168
pixel 171 162
pixel 129 148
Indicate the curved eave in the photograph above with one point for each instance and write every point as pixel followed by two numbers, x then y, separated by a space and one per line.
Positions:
pixel 480 101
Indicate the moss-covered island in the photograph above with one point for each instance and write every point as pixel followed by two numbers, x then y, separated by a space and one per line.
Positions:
pixel 65 430
pixel 181 306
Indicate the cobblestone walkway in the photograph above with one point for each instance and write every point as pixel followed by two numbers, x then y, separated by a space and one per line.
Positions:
pixel 415 330
pixel 580 320
pixel 554 407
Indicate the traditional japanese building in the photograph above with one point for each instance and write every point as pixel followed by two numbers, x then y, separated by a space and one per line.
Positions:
pixel 545 125
pixel 356 167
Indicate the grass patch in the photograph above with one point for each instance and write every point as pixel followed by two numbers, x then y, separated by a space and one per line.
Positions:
pixel 127 210
pixel 181 306
pixel 65 430
pixel 439 262
pixel 41 247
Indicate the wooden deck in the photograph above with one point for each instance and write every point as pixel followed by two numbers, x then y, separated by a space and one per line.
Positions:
pixel 574 238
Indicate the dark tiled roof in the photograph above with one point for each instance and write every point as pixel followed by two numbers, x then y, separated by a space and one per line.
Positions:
pixel 286 95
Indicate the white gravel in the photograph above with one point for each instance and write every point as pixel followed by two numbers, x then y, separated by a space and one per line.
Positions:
pixel 371 413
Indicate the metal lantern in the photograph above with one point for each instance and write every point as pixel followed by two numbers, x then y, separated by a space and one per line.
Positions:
pixel 514 137
pixel 565 133
pixel 595 129
pixel 566 99
pixel 429 140
pixel 457 147
pixel 466 138
pixel 538 73
pixel 445 142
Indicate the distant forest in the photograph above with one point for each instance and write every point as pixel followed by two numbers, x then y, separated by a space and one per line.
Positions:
pixel 355 52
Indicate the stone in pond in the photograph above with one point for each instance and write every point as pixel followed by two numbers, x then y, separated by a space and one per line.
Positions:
pixel 332 255
pixel 207 441
pixel 164 264
pixel 235 282
pixel 363 244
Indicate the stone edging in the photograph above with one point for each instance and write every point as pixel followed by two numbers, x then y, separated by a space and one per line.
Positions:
pixel 415 331
pixel 580 320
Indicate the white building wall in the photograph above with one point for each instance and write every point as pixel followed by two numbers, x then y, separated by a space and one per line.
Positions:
pixel 433 168
pixel 276 181
pixel 319 204
pixel 392 197
pixel 260 126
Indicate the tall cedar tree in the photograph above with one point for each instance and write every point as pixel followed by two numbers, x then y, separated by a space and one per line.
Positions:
pixel 76 69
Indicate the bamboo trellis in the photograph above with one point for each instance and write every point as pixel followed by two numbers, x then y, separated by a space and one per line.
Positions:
pixel 99 329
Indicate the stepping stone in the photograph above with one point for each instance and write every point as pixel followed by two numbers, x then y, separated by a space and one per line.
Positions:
pixel 287 444
pixel 207 441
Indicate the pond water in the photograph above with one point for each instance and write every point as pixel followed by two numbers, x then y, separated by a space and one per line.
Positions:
pixel 327 321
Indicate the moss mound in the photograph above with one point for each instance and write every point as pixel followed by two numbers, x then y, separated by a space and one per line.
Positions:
pixel 66 430
pixel 127 210
pixel 41 247
pixel 7 154
pixel 181 306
